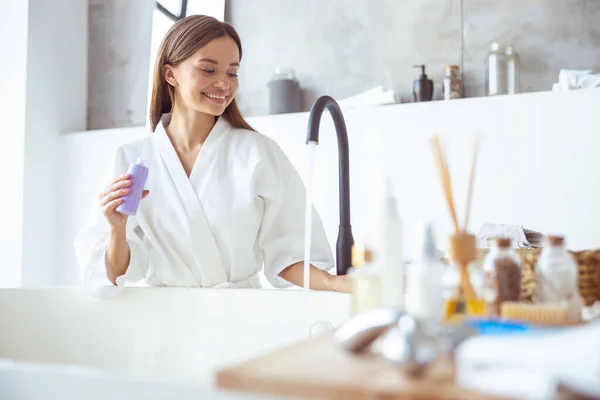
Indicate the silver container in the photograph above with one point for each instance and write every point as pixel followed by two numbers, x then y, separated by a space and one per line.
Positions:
pixel 284 92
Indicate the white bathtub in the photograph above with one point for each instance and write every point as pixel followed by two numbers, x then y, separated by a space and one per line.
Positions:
pixel 145 343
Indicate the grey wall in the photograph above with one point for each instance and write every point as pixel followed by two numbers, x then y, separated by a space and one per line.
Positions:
pixel 118 62
pixel 342 47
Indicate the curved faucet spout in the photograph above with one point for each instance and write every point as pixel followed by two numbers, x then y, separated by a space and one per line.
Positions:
pixel 345 241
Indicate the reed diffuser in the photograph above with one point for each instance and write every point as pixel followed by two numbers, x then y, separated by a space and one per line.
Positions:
pixel 462 244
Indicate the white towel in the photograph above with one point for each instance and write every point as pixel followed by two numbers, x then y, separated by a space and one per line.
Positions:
pixel 372 97
pixel 569 79
pixel 521 238
pixel 532 365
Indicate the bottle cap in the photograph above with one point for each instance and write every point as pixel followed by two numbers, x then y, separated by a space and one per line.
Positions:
pixel 428 247
pixel 462 248
pixel 503 242
pixel 361 256
pixel 422 67
pixel 388 194
pixel 556 241
pixel 141 162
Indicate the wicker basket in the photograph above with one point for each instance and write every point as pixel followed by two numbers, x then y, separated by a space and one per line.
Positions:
pixel 589 272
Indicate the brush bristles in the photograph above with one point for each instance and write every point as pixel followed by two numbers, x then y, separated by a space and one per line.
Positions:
pixel 539 314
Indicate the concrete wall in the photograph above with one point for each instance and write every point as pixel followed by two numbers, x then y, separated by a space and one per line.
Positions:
pixel 119 55
pixel 342 47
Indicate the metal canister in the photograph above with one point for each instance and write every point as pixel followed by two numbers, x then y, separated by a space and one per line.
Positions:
pixel 284 92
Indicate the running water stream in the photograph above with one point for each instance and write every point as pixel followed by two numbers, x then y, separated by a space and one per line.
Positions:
pixel 308 215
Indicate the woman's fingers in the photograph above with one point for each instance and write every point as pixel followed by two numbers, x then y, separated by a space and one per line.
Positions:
pixel 120 182
pixel 109 207
pixel 118 188
pixel 117 185
pixel 117 194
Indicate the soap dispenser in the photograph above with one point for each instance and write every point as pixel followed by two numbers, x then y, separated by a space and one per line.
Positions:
pixel 422 87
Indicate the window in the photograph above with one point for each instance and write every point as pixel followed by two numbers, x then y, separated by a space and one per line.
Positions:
pixel 172 9
pixel 167 12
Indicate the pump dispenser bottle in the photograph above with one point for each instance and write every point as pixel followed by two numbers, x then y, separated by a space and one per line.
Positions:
pixel 422 87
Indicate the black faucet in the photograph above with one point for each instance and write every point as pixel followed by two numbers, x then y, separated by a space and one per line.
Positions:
pixel 345 241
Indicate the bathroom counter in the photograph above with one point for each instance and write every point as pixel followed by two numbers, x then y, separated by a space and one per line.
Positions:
pixel 62 340
pixel 317 368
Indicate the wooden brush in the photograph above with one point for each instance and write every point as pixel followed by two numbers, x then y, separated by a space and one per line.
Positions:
pixel 539 314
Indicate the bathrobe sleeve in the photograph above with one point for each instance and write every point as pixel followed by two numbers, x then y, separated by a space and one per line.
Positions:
pixel 91 241
pixel 281 235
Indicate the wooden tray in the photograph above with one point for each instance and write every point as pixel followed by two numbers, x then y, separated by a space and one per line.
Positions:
pixel 318 368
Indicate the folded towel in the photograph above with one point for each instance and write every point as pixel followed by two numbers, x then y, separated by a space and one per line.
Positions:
pixel 569 79
pixel 532 364
pixel 521 238
pixel 372 97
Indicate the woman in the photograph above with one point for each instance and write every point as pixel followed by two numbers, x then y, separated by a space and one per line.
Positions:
pixel 222 200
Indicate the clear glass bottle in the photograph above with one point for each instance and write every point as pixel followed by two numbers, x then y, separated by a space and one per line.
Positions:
pixel 557 277
pixel 459 303
pixel 365 281
pixel 502 271
pixel 502 70
pixel 556 272
pixel 455 300
pixel 453 86
pixel 424 284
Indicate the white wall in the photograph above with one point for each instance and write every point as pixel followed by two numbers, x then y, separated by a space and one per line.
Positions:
pixel 82 159
pixel 13 42
pixel 55 103
pixel 537 167
pixel 538 164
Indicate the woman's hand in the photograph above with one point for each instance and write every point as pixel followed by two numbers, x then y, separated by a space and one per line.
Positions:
pixel 319 279
pixel 112 197
pixel 341 283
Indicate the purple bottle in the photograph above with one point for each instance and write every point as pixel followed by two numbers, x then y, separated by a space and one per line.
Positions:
pixel 138 172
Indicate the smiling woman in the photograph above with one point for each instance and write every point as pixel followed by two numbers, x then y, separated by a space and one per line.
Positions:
pixel 223 202
pixel 166 13
pixel 200 57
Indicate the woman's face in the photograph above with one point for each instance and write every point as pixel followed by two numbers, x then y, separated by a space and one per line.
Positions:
pixel 207 81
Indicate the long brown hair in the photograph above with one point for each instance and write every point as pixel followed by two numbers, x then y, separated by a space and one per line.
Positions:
pixel 184 38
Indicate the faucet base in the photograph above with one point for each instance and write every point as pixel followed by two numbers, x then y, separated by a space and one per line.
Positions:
pixel 345 242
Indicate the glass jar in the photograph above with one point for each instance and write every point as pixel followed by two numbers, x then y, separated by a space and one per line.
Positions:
pixel 556 272
pixel 365 281
pixel 456 304
pixel 453 86
pixel 502 70
pixel 463 280
pixel 502 271
pixel 557 278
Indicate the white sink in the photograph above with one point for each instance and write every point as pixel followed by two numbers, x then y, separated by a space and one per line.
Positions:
pixel 171 339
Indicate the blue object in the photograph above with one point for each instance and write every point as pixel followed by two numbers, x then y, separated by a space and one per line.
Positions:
pixel 497 327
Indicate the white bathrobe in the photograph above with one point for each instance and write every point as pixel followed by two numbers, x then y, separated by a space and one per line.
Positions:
pixel 242 207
